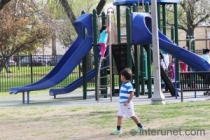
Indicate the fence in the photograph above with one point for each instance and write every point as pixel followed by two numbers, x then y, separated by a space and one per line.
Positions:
pixel 30 68
pixel 194 81
pixel 199 52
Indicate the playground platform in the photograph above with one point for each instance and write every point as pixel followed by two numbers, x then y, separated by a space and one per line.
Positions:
pixel 75 99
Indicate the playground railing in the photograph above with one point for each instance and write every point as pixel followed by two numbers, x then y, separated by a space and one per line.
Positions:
pixel 194 81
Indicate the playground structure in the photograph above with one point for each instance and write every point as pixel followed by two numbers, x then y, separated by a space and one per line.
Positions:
pixel 138 36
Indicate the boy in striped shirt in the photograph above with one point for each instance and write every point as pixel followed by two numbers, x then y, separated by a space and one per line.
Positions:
pixel 125 102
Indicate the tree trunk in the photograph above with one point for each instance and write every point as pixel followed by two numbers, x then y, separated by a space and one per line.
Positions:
pixel 4 64
pixel 54 51
pixel 3 3
pixel 100 6
pixel 1 65
pixel 190 31
pixel 68 11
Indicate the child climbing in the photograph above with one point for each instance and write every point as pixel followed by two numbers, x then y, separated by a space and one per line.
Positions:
pixel 103 39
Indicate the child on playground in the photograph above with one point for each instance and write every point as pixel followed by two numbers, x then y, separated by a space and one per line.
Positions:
pixel 103 39
pixel 183 66
pixel 206 56
pixel 172 70
pixel 126 106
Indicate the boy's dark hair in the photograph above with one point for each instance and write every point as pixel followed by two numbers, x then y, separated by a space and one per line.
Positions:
pixel 103 28
pixel 127 73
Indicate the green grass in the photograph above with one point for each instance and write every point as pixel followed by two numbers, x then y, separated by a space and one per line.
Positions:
pixel 89 121
pixel 195 115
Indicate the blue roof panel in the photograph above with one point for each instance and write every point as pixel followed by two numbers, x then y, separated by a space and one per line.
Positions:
pixel 128 2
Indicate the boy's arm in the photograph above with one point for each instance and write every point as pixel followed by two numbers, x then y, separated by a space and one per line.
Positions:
pixel 131 94
pixel 130 97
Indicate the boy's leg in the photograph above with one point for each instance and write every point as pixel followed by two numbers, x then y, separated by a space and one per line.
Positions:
pixel 129 112
pixel 119 121
pixel 136 120
pixel 119 117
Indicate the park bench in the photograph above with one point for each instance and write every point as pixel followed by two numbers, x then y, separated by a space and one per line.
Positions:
pixel 194 81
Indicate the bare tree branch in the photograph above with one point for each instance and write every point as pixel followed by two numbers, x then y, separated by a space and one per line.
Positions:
pixel 69 11
pixel 3 3
pixel 100 6
pixel 179 26
pixel 201 20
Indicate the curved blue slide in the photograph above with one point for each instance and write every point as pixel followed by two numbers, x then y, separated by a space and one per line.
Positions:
pixel 77 83
pixel 142 34
pixel 71 87
pixel 76 52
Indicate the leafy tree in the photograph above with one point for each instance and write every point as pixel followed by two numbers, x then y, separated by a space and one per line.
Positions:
pixel 21 30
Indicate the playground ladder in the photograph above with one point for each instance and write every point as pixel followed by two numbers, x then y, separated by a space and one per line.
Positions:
pixel 100 68
pixel 99 87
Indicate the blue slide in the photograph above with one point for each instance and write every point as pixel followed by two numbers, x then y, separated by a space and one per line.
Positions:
pixel 76 52
pixel 142 34
pixel 71 87
pixel 77 83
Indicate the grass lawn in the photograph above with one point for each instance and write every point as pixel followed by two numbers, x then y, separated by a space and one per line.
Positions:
pixel 96 122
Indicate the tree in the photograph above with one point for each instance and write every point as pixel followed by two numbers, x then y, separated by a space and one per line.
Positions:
pixel 100 6
pixel 191 14
pixel 21 30
pixel 69 10
pixel 61 12
pixel 73 10
pixel 3 3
